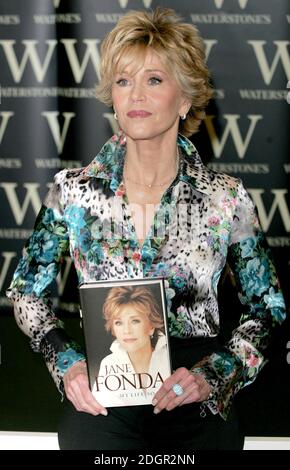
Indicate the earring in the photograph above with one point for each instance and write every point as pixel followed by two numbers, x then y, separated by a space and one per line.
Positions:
pixel 115 116
pixel 183 117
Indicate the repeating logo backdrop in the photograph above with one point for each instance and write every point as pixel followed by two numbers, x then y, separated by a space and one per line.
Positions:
pixel 50 119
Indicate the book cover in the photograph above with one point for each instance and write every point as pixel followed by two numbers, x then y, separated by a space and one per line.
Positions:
pixel 126 338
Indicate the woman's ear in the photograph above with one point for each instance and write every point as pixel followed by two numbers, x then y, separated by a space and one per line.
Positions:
pixel 184 107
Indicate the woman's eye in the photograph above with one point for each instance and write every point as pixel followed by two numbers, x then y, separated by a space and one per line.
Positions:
pixel 135 321
pixel 155 80
pixel 117 323
pixel 122 82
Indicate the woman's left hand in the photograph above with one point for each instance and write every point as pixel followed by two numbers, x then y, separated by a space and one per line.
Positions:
pixel 195 388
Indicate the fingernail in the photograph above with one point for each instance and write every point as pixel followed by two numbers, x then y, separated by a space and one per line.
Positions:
pixel 154 401
pixel 104 413
pixel 156 411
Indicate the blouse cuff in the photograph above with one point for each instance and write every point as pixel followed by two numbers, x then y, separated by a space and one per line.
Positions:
pixel 67 359
pixel 60 353
pixel 224 381
pixel 212 401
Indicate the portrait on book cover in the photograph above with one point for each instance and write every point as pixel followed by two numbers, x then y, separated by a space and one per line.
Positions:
pixel 134 364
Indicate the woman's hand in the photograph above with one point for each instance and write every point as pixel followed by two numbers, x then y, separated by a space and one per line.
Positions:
pixel 76 385
pixel 195 388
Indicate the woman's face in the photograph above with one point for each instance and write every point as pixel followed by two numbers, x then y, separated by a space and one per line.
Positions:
pixel 148 102
pixel 132 329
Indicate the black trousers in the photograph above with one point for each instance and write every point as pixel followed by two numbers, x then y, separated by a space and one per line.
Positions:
pixel 138 428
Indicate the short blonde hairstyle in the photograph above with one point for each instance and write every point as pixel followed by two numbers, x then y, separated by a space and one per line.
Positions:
pixel 179 47
pixel 140 298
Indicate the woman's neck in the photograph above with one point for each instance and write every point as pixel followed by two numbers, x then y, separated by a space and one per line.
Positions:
pixel 141 359
pixel 151 162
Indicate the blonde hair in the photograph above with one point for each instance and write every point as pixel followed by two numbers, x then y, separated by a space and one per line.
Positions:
pixel 179 47
pixel 140 298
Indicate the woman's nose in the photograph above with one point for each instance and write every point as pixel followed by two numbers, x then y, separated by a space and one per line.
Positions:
pixel 127 328
pixel 138 93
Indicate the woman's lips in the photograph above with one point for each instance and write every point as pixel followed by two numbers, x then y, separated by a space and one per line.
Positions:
pixel 138 113
pixel 129 340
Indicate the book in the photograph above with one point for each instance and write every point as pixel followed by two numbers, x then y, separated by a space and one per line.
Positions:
pixel 126 339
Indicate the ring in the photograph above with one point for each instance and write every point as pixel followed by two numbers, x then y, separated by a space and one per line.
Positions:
pixel 178 390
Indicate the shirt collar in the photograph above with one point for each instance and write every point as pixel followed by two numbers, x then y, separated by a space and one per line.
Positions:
pixel 109 163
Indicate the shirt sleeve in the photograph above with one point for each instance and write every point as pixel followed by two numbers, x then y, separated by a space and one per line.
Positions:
pixel 30 288
pixel 241 359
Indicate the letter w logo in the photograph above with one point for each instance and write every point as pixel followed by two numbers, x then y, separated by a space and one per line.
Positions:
pixel 232 128
pixel 281 54
pixel 8 256
pixel 30 54
pixel 279 203
pixel 31 197
pixel 242 3
pixel 58 136
pixel 6 115
pixel 92 53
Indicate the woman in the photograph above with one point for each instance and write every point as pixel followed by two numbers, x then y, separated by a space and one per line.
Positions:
pixel 132 316
pixel 153 72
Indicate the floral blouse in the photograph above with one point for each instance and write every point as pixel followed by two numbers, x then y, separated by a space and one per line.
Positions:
pixel 204 220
